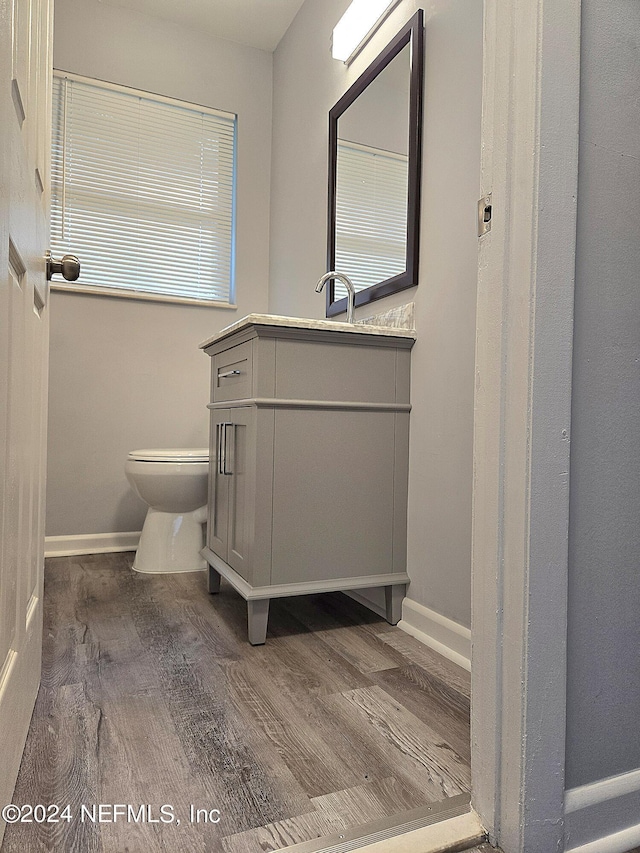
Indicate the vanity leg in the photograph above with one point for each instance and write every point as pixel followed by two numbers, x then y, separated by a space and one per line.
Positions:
pixel 393 596
pixel 214 580
pixel 257 617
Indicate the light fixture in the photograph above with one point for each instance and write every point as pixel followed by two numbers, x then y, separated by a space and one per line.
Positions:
pixel 357 25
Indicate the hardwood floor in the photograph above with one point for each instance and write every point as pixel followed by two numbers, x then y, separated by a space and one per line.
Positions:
pixel 151 695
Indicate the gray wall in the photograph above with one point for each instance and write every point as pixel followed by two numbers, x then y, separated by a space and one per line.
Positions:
pixel 307 82
pixel 604 545
pixel 128 373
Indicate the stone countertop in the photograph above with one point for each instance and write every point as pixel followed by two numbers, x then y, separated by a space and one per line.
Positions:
pixel 303 323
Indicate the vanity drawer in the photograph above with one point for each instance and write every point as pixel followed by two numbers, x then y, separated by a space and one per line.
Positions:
pixel 232 373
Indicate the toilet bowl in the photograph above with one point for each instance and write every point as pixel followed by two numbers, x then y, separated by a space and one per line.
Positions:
pixel 173 482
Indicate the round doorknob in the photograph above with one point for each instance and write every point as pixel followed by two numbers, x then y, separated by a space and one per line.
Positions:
pixel 68 267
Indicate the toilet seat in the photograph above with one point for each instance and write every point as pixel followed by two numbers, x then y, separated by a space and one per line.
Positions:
pixel 165 454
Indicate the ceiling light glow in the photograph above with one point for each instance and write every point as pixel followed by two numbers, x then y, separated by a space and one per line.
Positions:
pixel 356 25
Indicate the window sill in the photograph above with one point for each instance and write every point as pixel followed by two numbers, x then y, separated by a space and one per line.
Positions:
pixel 134 294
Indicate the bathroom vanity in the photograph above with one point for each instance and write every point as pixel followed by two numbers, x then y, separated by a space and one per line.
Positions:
pixel 309 444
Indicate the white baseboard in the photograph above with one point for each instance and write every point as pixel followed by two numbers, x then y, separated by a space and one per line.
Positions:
pixel 448 638
pixel 90 543
pixel 595 813
pixel 618 842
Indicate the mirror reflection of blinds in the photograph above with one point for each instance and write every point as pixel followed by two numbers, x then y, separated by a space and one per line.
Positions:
pixel 143 192
pixel 371 215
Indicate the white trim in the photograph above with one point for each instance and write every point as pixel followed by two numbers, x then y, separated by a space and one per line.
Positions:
pixel 97 290
pixel 448 638
pixel 524 338
pixel 585 796
pixel 595 812
pixel 90 543
pixel 618 842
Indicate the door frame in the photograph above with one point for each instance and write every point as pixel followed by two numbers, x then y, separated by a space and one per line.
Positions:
pixel 524 337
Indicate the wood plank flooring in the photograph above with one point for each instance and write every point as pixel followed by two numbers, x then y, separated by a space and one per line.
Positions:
pixel 485 848
pixel 152 696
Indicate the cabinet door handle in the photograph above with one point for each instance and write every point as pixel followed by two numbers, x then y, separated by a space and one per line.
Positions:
pixel 219 428
pixel 225 469
pixel 229 373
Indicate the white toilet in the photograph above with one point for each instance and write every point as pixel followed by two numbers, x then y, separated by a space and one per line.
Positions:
pixel 174 484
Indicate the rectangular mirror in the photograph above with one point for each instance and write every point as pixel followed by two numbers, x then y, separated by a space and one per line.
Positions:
pixel 375 134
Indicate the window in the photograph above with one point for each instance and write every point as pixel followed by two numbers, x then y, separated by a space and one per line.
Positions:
pixel 143 192
pixel 371 214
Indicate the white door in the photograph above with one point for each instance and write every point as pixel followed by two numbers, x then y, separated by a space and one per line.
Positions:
pixel 25 105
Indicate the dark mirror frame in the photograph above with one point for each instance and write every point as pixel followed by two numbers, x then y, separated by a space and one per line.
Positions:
pixel 411 34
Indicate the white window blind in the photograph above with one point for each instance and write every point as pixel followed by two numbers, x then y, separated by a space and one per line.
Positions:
pixel 143 191
pixel 371 215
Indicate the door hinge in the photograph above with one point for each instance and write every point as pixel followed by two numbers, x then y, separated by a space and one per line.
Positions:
pixel 485 214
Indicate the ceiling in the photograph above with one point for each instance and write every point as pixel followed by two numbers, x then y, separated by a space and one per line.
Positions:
pixel 259 23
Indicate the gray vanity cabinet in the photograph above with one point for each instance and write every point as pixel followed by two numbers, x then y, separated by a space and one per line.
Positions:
pixel 308 461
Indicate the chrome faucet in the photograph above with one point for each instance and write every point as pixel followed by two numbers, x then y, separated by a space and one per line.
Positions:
pixel 351 291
